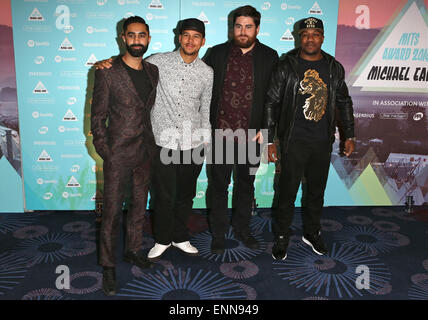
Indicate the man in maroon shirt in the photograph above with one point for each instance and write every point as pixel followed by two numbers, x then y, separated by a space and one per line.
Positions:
pixel 242 70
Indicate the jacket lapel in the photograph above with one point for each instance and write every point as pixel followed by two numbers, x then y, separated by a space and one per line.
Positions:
pixel 154 78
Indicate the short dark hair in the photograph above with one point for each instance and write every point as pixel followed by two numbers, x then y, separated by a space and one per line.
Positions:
pixel 134 19
pixel 247 11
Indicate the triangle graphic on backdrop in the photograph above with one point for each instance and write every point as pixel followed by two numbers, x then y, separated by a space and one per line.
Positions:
pixel 40 88
pixel 203 17
pixel 69 116
pixel 367 189
pixel 91 61
pixel 66 45
pixel 155 4
pixel 287 36
pixel 73 183
pixel 36 16
pixel 44 157
pixel 394 54
pixel 315 9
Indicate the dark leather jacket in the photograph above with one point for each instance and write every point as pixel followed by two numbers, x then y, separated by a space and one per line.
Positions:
pixel 281 100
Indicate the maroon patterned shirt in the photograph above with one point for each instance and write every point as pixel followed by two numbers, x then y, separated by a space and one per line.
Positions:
pixel 237 98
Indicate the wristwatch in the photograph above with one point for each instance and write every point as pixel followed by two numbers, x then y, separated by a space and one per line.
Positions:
pixel 353 139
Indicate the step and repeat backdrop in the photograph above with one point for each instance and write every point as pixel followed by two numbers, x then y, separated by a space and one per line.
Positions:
pixel 57 42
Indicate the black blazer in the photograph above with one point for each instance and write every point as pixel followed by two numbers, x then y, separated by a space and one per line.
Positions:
pixel 128 137
pixel 265 60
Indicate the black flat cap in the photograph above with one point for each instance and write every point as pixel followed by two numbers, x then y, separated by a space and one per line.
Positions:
pixel 192 24
pixel 311 23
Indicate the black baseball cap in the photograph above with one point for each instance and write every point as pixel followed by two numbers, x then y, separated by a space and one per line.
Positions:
pixel 311 23
pixel 192 24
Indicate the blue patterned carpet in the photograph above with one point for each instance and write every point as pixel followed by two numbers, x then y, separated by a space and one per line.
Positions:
pixel 391 245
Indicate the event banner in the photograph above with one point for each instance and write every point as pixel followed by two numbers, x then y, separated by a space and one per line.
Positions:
pixel 11 197
pixel 58 42
pixel 56 45
pixel 277 30
pixel 383 46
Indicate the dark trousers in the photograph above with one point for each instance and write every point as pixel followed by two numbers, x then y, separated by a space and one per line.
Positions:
pixel 175 188
pixel 311 161
pixel 117 177
pixel 220 175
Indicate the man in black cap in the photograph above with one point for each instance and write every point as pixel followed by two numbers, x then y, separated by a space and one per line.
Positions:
pixel 181 127
pixel 306 94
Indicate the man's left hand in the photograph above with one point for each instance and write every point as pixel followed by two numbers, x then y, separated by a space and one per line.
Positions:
pixel 349 147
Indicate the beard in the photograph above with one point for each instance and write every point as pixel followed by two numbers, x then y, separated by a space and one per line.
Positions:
pixel 311 52
pixel 133 51
pixel 244 43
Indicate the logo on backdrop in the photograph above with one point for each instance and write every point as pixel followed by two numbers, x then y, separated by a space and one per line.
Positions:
pixel 43 130
pixel 155 4
pixel 91 61
pixel 44 157
pixel 36 16
pixel 69 116
pixel 66 45
pixel 40 88
pixel 203 17
pixel 266 5
pixel 287 36
pixel 315 9
pixel 73 183
pixel 39 60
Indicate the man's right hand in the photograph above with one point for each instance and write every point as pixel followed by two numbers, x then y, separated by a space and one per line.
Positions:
pixel 272 153
pixel 104 64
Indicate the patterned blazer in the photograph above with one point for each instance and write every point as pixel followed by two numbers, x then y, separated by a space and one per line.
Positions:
pixel 120 120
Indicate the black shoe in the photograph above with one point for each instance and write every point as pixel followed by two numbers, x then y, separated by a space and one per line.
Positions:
pixel 248 240
pixel 109 281
pixel 217 245
pixel 137 259
pixel 316 242
pixel 279 249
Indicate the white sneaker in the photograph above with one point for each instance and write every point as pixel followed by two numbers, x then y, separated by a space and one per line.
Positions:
pixel 157 250
pixel 186 247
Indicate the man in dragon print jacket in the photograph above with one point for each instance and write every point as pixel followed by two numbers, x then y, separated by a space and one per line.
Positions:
pixel 306 95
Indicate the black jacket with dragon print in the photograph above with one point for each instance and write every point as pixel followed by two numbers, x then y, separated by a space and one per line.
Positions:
pixel 281 100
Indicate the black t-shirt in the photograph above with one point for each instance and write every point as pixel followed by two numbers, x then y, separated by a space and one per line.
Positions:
pixel 141 81
pixel 311 122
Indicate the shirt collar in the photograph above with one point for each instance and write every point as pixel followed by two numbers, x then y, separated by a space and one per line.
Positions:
pixel 180 58
pixel 236 51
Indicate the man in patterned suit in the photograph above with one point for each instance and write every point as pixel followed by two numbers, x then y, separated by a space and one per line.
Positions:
pixel 181 126
pixel 124 96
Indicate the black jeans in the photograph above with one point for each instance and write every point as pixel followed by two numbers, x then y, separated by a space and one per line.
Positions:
pixel 175 188
pixel 243 192
pixel 309 160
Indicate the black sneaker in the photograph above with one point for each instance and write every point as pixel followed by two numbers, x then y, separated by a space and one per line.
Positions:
pixel 137 259
pixel 316 242
pixel 279 249
pixel 217 245
pixel 248 240
pixel 109 281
